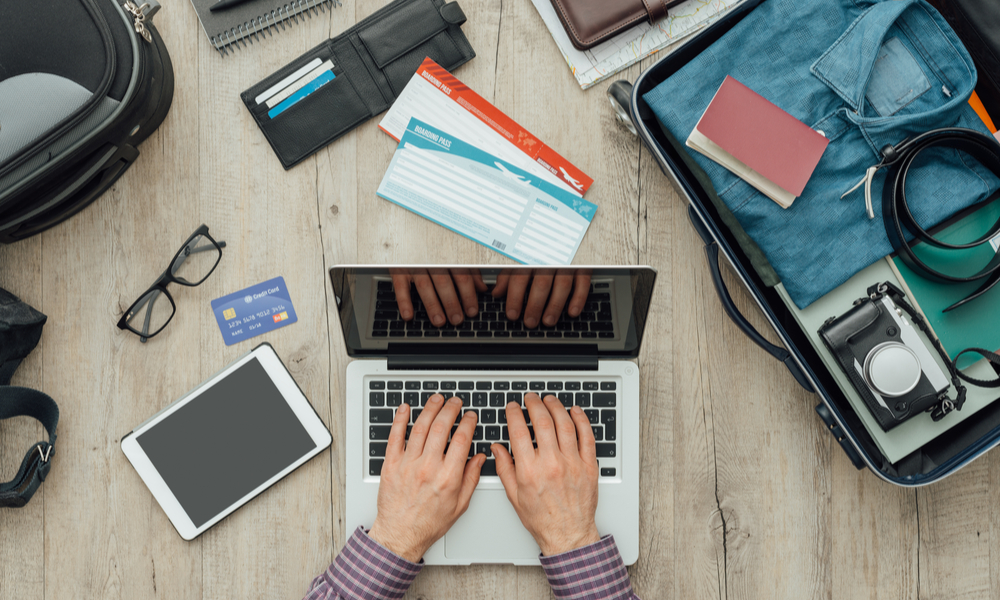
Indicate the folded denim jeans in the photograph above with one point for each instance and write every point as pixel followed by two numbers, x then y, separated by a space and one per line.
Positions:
pixel 866 73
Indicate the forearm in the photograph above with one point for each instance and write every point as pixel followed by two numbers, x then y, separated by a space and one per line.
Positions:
pixel 364 570
pixel 594 572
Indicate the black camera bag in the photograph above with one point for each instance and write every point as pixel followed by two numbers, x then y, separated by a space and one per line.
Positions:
pixel 20 330
pixel 82 83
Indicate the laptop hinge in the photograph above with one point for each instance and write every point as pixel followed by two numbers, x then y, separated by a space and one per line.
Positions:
pixel 492 362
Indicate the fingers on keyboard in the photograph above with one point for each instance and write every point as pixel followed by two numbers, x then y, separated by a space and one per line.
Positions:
pixel 489 401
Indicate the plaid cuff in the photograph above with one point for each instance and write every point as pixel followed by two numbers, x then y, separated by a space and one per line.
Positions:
pixel 364 570
pixel 594 572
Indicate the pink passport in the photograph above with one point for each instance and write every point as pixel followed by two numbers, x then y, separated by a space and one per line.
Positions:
pixel 762 136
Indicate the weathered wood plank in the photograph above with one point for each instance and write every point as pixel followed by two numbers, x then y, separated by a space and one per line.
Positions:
pixel 670 401
pixel 955 558
pixel 275 545
pixel 680 551
pixel 337 173
pixel 873 534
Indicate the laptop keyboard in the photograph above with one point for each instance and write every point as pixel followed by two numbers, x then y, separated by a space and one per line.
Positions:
pixel 595 322
pixel 599 400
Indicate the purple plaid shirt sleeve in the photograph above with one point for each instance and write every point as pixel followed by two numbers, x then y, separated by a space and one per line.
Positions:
pixel 594 572
pixel 364 570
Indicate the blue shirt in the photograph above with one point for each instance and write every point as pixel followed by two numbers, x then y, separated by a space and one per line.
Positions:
pixel 866 73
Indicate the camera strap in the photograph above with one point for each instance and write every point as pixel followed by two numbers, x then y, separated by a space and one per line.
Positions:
pixel 900 222
pixel 945 405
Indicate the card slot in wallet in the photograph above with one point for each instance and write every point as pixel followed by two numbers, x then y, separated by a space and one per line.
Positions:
pixel 322 52
pixel 313 121
pixel 373 61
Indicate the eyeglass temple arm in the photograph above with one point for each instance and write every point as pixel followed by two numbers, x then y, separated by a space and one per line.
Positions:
pixel 151 299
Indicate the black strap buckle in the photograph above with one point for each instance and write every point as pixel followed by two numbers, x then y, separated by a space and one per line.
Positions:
pixel 46 453
pixel 17 401
pixel 44 465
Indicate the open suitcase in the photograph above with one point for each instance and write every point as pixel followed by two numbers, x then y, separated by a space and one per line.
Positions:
pixel 940 457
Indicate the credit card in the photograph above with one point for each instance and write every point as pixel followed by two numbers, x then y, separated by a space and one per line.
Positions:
pixel 257 309
pixel 298 85
pixel 287 81
pixel 324 78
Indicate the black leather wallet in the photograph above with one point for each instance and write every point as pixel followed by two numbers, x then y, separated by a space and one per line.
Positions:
pixel 372 62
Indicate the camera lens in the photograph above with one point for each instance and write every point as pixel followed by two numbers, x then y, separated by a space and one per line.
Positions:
pixel 892 369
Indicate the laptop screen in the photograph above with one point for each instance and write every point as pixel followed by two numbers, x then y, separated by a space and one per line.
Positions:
pixel 437 309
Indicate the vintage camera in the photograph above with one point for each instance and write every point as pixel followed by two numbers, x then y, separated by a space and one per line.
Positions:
pixel 890 366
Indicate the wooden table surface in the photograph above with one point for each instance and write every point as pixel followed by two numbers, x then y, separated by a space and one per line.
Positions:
pixel 743 494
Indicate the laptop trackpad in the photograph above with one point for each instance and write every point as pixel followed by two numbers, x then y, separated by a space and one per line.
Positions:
pixel 490 531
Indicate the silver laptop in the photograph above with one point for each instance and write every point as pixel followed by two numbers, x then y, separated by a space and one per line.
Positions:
pixel 488 361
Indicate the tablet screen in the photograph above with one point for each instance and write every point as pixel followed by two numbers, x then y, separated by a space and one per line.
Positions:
pixel 227 441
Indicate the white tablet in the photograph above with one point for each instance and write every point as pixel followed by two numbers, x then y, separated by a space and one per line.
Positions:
pixel 226 441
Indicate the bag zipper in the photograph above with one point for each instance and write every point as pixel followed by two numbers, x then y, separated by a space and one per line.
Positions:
pixel 139 18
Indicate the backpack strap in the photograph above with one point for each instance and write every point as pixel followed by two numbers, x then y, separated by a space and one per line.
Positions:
pixel 20 401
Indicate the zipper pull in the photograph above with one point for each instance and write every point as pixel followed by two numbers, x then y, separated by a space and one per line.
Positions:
pixel 139 19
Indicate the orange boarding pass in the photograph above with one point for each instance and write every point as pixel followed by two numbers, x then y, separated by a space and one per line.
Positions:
pixel 438 98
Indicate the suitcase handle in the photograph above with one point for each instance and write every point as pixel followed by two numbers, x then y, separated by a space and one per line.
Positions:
pixel 91 178
pixel 839 435
pixel 712 253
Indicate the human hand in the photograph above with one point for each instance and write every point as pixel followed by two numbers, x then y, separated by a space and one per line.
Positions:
pixel 553 488
pixel 541 304
pixel 444 292
pixel 423 489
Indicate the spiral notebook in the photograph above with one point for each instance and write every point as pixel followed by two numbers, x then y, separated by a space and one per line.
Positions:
pixel 254 20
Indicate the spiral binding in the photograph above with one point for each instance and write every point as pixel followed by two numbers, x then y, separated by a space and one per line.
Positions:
pixel 268 23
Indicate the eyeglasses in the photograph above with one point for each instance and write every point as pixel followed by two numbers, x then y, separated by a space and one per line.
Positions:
pixel 192 265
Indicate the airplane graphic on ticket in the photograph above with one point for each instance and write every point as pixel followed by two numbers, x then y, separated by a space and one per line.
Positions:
pixel 485 198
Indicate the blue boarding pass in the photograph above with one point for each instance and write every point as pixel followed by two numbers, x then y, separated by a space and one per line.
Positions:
pixel 484 198
pixel 257 309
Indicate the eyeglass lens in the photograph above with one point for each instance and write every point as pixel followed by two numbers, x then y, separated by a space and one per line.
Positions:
pixel 195 260
pixel 151 313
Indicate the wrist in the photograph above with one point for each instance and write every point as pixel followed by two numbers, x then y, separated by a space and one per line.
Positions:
pixel 396 544
pixel 566 543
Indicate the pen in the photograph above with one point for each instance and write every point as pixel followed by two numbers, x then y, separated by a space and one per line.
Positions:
pixel 222 4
